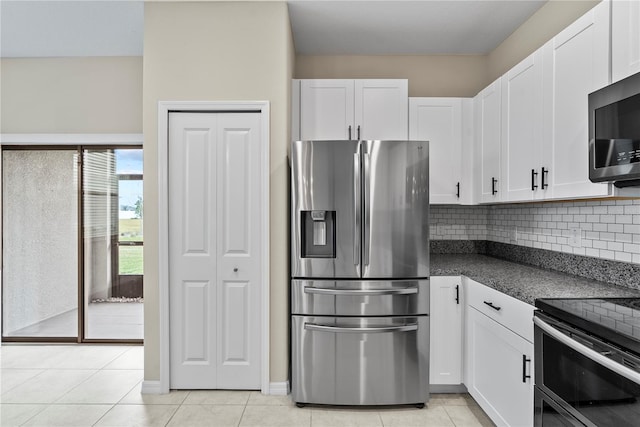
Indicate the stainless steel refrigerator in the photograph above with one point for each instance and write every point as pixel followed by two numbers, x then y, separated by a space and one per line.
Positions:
pixel 360 272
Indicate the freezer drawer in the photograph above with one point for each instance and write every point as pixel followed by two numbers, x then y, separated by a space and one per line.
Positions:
pixel 360 361
pixel 360 298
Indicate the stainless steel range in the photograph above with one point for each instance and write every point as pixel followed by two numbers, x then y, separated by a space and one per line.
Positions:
pixel 587 362
pixel 360 272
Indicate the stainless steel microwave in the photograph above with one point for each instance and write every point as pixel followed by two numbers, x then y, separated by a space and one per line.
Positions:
pixel 614 133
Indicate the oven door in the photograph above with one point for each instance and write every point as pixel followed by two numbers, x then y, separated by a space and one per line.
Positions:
pixel 597 384
pixel 549 413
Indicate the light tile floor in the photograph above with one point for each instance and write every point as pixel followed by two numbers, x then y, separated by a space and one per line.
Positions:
pixel 99 385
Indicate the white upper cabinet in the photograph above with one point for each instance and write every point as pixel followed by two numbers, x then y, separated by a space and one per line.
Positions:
pixel 326 109
pixel 522 130
pixel 439 121
pixel 381 109
pixel 487 165
pixel 625 38
pixel 545 113
pixel 352 109
pixel 576 63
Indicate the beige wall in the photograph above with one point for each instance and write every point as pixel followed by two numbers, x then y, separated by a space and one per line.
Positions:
pixel 219 51
pixel 429 75
pixel 71 95
pixel 548 21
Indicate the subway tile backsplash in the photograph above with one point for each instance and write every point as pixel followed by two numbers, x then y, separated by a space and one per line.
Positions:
pixel 458 222
pixel 602 229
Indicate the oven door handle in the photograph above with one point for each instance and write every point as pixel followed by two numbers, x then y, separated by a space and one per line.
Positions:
pixel 587 352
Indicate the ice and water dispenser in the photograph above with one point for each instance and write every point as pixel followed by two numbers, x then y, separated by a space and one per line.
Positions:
pixel 318 234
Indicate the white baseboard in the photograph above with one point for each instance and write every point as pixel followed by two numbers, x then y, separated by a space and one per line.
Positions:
pixel 151 387
pixel 279 389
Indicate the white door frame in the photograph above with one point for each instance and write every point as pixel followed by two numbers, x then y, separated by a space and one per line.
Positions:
pixel 164 108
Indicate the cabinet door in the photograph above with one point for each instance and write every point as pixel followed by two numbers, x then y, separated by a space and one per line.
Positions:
pixel 445 358
pixel 439 121
pixel 381 109
pixel 522 129
pixel 326 109
pixel 625 38
pixel 575 64
pixel 488 105
pixel 498 361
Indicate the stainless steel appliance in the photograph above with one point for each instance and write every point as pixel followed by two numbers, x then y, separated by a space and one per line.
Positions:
pixel 360 272
pixel 587 362
pixel 614 133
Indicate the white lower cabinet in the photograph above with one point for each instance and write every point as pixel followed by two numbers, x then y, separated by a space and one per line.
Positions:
pixel 499 361
pixel 445 358
pixel 482 339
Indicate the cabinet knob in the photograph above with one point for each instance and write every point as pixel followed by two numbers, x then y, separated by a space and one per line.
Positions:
pixel 235 270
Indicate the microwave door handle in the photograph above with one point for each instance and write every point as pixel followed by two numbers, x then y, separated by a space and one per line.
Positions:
pixel 587 352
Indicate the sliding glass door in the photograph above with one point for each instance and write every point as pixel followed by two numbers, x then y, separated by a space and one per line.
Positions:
pixel 112 238
pixel 40 243
pixel 72 244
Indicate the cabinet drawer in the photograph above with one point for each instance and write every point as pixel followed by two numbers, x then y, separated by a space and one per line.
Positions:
pixel 508 311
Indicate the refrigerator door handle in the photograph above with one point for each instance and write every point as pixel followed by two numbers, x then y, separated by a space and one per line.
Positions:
pixel 356 209
pixel 367 213
pixel 339 329
pixel 359 292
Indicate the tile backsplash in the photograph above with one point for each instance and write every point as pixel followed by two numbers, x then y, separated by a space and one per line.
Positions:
pixel 603 229
pixel 458 222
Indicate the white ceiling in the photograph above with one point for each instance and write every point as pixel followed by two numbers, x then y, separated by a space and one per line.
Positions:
pixel 405 27
pixel 71 28
pixel 53 28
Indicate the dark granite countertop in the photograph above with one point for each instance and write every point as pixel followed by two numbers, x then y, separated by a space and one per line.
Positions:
pixel 523 282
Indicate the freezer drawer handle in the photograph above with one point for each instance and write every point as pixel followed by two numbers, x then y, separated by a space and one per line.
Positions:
pixel 378 330
pixel 325 291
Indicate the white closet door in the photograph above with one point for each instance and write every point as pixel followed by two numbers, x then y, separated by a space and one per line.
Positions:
pixel 238 247
pixel 214 256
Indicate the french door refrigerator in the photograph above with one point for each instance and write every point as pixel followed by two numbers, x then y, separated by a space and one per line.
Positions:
pixel 360 272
